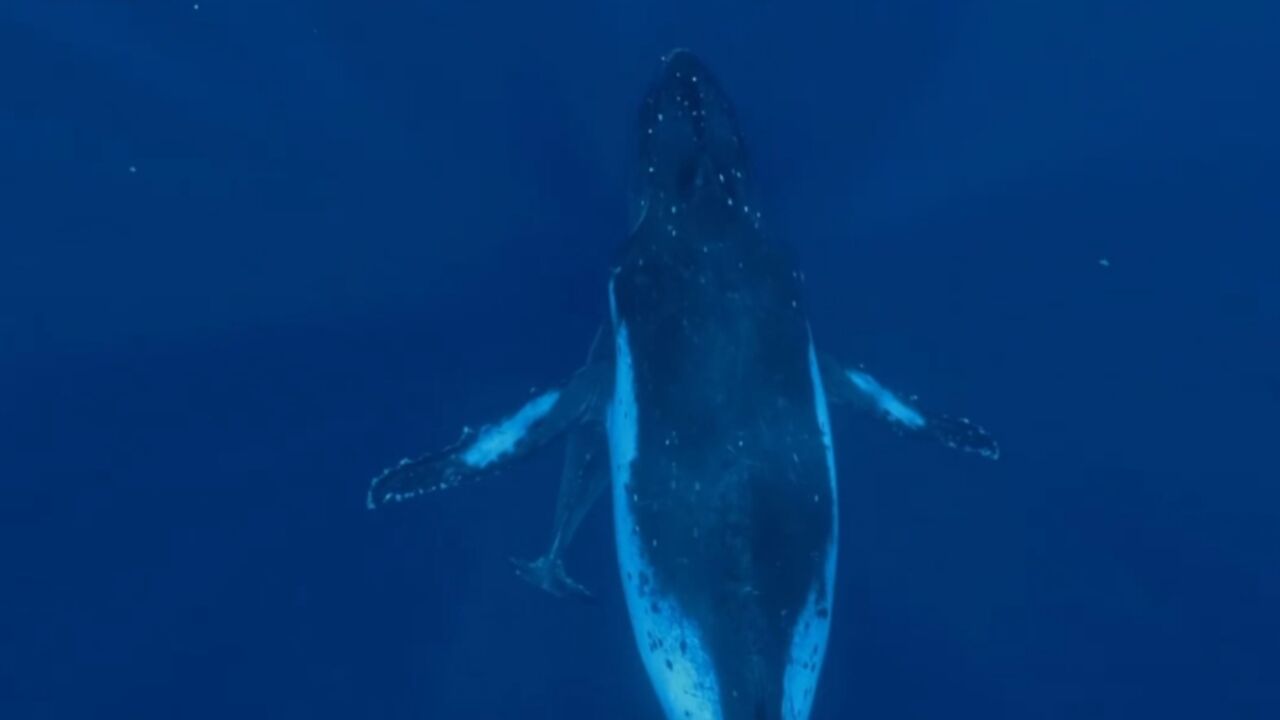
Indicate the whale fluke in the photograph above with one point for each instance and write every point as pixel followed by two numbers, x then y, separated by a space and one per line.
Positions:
pixel 547 573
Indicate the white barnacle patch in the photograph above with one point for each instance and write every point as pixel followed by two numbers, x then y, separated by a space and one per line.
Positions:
pixel 495 441
pixel 809 635
pixel 670 644
pixel 892 406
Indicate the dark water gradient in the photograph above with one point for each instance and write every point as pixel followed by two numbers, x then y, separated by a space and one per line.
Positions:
pixel 354 227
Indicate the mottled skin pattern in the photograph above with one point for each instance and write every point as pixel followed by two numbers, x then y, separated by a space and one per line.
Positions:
pixel 730 487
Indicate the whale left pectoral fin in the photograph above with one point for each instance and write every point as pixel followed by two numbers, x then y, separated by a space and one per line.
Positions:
pixel 479 453
pixel 856 387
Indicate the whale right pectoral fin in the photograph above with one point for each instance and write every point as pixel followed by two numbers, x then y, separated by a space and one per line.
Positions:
pixel 478 454
pixel 856 387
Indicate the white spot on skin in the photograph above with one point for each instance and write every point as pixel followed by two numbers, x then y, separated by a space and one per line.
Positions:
pixel 670 645
pixel 498 440
pixel 895 408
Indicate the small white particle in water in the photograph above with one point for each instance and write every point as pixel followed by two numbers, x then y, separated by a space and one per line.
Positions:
pixel 133 168
pixel 721 177
pixel 673 209
pixel 694 78
pixel 659 117
pixel 650 168
pixel 196 6
pixel 1104 263
pixel 730 202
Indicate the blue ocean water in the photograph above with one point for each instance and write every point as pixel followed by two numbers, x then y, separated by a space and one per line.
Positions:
pixel 250 253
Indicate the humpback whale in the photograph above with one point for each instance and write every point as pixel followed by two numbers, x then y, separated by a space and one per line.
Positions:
pixel 703 410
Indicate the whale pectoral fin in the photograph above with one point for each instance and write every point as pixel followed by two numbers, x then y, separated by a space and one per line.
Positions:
pixel 857 387
pixel 495 446
pixel 585 476
pixel 964 434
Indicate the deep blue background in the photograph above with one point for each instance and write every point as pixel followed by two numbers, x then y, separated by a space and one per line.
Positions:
pixel 354 227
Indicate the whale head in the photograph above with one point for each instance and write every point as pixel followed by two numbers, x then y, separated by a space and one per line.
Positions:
pixel 690 145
